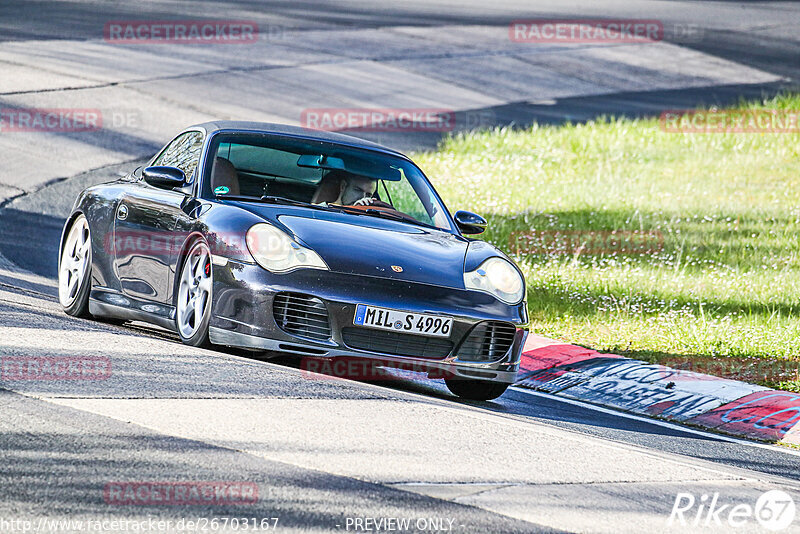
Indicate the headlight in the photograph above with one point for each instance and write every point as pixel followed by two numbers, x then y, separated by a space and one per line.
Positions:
pixel 497 277
pixel 277 252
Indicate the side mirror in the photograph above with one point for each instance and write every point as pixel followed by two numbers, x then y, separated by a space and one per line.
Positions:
pixel 470 223
pixel 164 177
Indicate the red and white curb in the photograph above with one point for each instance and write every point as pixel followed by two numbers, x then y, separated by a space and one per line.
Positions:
pixel 728 406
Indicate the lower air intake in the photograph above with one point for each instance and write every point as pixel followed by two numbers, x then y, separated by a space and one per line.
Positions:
pixel 487 342
pixel 302 315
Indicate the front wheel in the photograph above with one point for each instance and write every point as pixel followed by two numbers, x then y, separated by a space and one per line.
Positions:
pixel 194 297
pixel 75 269
pixel 478 390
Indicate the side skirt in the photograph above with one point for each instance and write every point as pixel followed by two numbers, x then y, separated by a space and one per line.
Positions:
pixel 110 303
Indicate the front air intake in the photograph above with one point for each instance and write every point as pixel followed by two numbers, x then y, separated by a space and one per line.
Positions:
pixel 302 316
pixel 396 343
pixel 487 342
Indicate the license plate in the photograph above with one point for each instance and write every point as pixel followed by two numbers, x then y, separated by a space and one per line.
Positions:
pixel 400 321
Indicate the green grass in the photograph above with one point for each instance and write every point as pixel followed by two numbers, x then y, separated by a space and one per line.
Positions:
pixel 722 277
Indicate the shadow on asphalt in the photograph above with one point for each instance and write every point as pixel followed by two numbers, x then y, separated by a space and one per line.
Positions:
pixel 59 460
pixel 638 104
pixel 30 240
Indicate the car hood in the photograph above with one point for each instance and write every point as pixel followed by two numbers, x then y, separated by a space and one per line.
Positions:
pixel 371 246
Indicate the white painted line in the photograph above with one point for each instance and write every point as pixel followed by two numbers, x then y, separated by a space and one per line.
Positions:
pixel 658 422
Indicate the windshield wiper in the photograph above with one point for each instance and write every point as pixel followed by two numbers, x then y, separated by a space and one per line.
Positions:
pixel 271 199
pixel 283 200
pixel 292 202
pixel 385 214
pixel 236 197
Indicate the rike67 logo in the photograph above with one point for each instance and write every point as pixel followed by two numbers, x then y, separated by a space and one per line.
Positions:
pixel 774 510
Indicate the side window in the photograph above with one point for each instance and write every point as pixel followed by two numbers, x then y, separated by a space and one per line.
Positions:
pixel 415 199
pixel 405 199
pixel 183 153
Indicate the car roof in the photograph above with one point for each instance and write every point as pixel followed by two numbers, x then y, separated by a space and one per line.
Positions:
pixel 285 129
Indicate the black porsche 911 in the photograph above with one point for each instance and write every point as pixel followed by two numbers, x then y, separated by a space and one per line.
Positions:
pixel 282 239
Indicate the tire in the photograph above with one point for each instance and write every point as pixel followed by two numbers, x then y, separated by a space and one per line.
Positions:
pixel 477 390
pixel 75 269
pixel 194 296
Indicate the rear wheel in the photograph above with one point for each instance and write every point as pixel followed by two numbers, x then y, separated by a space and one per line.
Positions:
pixel 194 297
pixel 479 390
pixel 75 269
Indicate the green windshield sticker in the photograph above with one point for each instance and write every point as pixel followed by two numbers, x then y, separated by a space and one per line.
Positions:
pixel 221 190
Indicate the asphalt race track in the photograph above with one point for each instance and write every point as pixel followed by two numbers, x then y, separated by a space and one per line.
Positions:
pixel 328 454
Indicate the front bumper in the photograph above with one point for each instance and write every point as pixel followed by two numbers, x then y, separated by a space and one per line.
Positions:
pixel 242 316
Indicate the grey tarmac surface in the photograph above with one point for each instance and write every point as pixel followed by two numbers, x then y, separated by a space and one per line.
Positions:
pixel 366 55
pixel 323 450
pixel 59 461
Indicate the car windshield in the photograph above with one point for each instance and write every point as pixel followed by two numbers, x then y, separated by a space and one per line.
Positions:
pixel 278 169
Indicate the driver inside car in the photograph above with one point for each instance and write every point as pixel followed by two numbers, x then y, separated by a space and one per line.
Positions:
pixel 355 191
pixel 345 189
